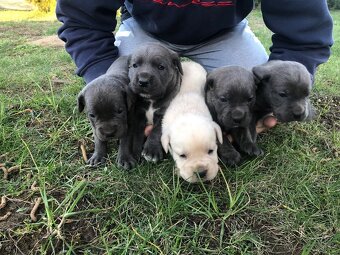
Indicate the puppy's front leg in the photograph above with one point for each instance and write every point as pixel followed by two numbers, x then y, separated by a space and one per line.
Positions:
pixel 227 153
pixel 130 146
pixel 153 150
pixel 246 141
pixel 100 152
pixel 125 158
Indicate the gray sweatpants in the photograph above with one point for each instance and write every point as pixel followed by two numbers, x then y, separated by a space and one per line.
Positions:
pixel 236 47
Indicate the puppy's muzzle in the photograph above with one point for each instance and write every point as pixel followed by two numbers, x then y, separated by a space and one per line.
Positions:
pixel 299 112
pixel 201 172
pixel 238 115
pixel 144 80
pixel 108 133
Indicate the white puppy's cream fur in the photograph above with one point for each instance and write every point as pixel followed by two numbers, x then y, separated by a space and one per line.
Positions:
pixel 188 130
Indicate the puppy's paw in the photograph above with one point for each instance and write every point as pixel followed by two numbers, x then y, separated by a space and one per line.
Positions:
pixel 126 161
pixel 152 151
pixel 251 149
pixel 230 157
pixel 96 159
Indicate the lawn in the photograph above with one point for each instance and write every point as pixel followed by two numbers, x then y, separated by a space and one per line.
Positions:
pixel 285 202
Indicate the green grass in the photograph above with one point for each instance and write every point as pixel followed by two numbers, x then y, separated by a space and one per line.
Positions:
pixel 286 202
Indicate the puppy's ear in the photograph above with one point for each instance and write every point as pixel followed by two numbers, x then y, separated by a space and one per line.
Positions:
pixel 165 140
pixel 178 64
pixel 81 100
pixel 218 131
pixel 129 60
pixel 256 82
pixel 261 73
pixel 176 61
pixel 209 84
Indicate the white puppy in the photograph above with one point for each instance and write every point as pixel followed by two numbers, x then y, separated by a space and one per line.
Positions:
pixel 188 130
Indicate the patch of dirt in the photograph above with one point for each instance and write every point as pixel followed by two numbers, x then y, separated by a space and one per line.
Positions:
pixel 20 242
pixel 328 108
pixel 19 29
pixel 17 238
pixel 49 41
pixel 31 31
pixel 275 239
pixel 19 210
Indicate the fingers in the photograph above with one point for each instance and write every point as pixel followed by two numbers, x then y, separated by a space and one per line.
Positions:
pixel 148 130
pixel 268 121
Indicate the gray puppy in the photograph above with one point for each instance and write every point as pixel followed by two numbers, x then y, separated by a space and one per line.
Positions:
pixel 230 96
pixel 107 103
pixel 155 76
pixel 283 88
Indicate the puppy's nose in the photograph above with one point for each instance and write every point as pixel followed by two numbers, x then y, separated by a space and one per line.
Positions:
pixel 143 83
pixel 144 79
pixel 298 116
pixel 298 112
pixel 202 173
pixel 237 115
pixel 108 133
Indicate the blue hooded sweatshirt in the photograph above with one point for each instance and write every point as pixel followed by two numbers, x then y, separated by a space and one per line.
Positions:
pixel 302 29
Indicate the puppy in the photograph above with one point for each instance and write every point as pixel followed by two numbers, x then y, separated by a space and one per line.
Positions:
pixel 230 96
pixel 283 88
pixel 107 105
pixel 188 130
pixel 155 76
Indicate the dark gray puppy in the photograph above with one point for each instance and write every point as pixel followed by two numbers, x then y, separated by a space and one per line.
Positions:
pixel 107 103
pixel 283 88
pixel 230 96
pixel 155 76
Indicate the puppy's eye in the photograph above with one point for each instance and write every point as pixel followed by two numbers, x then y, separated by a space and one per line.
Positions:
pixel 91 115
pixel 250 99
pixel 210 152
pixel 283 94
pixel 161 67
pixel 120 110
pixel 223 99
pixel 134 65
pixel 183 156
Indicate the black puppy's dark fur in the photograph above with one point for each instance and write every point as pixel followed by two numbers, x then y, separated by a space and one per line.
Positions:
pixel 283 88
pixel 155 76
pixel 107 102
pixel 230 96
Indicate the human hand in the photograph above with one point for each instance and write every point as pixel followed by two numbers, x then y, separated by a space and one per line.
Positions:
pixel 265 123
pixel 148 130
